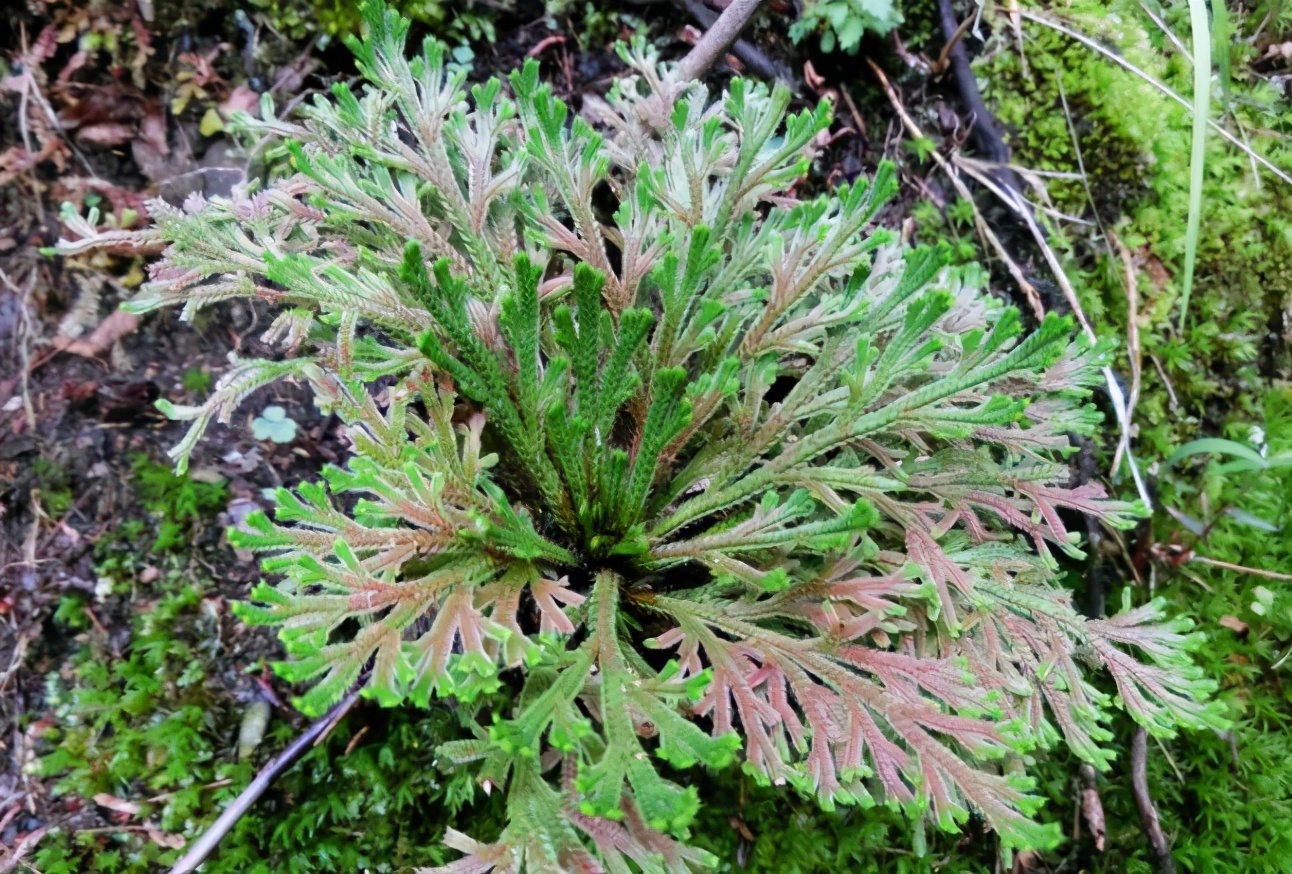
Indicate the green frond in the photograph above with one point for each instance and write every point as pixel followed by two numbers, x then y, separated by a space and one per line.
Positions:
pixel 824 470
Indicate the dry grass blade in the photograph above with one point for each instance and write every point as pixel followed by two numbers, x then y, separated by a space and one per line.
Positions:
pixel 1132 329
pixel 980 224
pixel 1117 59
pixel 1012 200
pixel 1198 149
pixel 1166 30
pixel 1240 569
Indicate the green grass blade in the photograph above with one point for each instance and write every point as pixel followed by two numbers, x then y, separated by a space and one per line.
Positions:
pixel 1216 445
pixel 1222 32
pixel 1197 157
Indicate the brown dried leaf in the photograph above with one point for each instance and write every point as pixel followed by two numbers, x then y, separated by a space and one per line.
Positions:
pixel 107 134
pixel 164 839
pixel 109 331
pixel 112 802
pixel 814 80
pixel 1234 624
pixel 25 845
pixel 152 130
pixel 240 99
pixel 291 78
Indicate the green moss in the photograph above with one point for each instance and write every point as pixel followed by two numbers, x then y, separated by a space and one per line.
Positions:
pixel 55 492
pixel 179 503
pixel 197 381
pixel 451 20
pixel 158 724
pixel 1134 148
pixel 763 830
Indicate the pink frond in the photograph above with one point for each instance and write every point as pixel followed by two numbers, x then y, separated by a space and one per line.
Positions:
pixel 944 573
pixel 549 595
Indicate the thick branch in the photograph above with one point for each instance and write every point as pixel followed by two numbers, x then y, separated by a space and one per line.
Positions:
pixel 717 39
pixel 986 136
pixel 754 58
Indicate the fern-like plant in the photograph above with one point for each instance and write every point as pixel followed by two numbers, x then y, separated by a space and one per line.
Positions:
pixel 655 466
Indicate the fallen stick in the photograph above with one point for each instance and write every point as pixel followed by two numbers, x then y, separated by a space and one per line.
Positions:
pixel 717 39
pixel 202 848
pixel 749 54
pixel 986 135
pixel 1147 811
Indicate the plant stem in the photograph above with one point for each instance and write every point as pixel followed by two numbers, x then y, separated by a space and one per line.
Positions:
pixel 1198 150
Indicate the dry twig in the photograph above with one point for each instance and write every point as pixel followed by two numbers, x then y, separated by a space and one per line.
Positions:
pixel 1092 807
pixel 284 760
pixel 980 224
pixel 1132 331
pixel 1144 802
pixel 717 39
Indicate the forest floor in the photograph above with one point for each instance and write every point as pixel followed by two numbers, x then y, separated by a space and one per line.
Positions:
pixel 132 704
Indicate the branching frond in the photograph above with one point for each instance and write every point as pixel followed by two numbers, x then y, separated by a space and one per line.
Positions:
pixel 701 474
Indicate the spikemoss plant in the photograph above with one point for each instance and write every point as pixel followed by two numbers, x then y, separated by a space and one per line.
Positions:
pixel 705 475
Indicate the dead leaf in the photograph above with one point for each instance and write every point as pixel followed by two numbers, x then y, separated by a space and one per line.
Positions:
pixel 25 845
pixel 120 805
pixel 156 156
pixel 240 99
pixel 1029 862
pixel 91 105
pixel 291 78
pixel 152 130
pixel 119 324
pixel 1234 624
pixel 164 839
pixel 814 80
pixel 207 181
pixel 206 475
